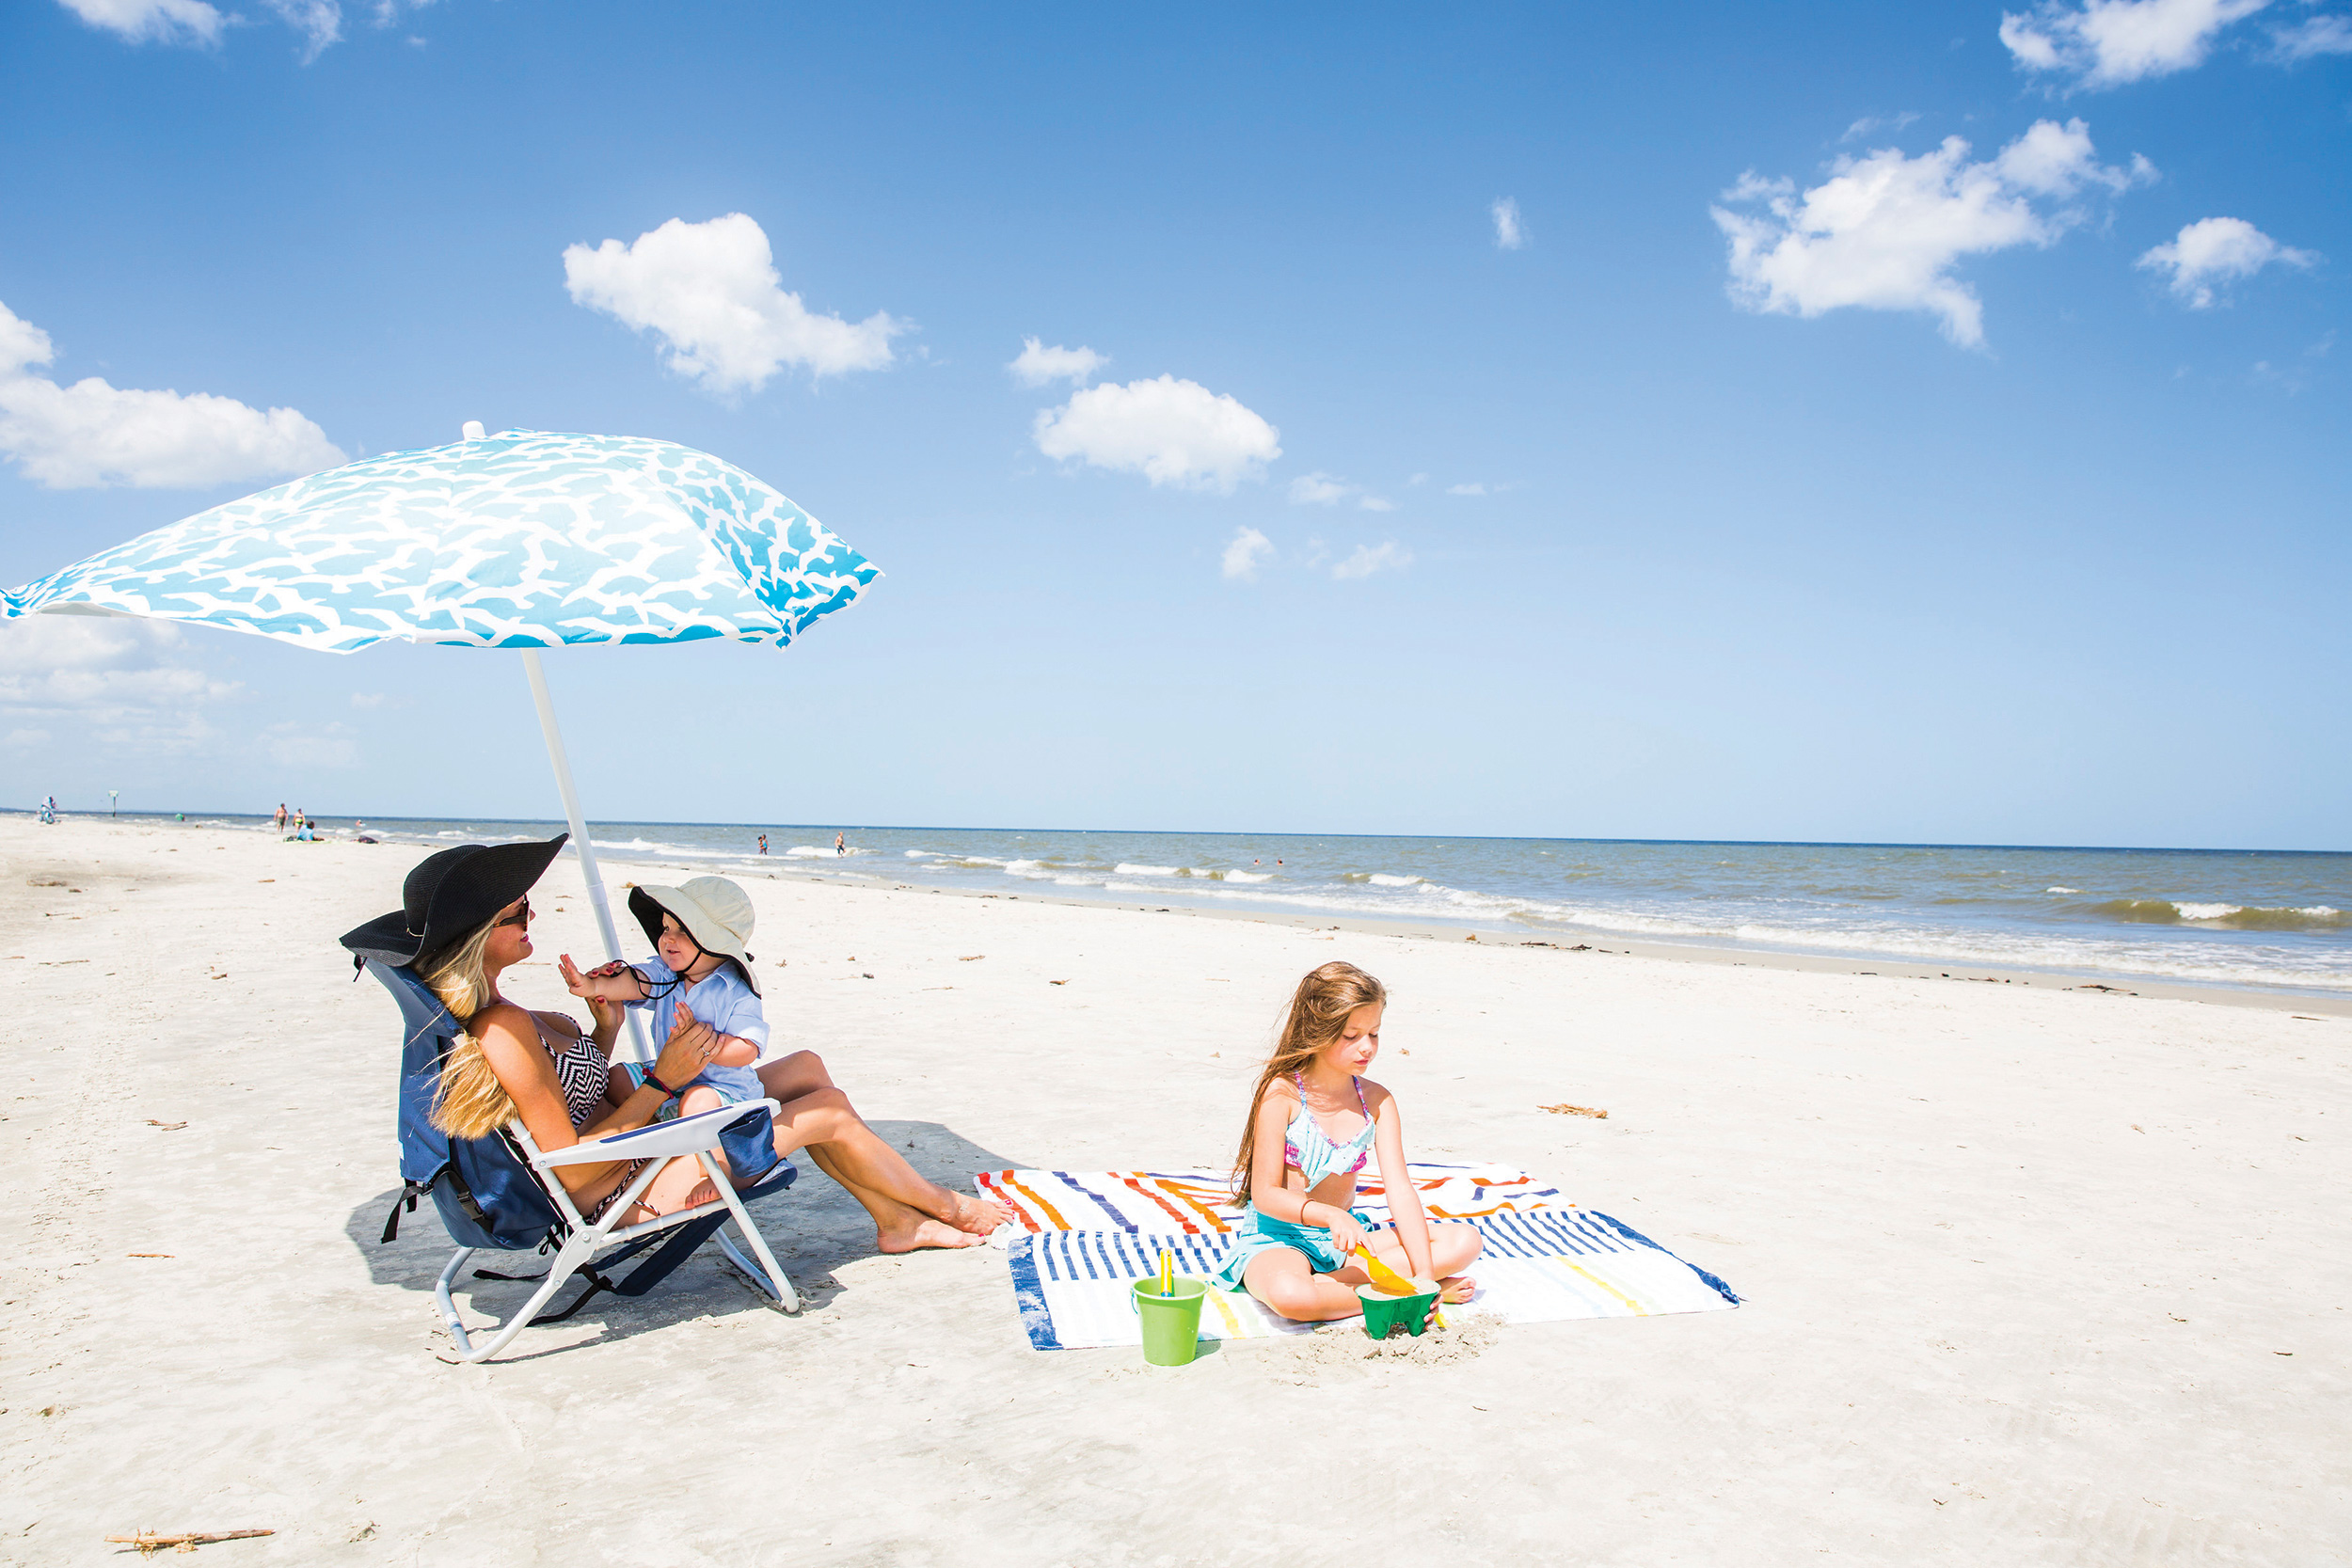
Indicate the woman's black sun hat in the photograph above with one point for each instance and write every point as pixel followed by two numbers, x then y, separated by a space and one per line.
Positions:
pixel 449 893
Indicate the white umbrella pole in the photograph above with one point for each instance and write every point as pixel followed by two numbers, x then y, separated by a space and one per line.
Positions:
pixel 580 829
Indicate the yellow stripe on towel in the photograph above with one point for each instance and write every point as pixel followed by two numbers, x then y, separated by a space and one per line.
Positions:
pixel 1610 1289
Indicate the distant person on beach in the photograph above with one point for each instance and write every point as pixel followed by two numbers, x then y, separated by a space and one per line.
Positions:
pixel 279 820
pixel 841 846
pixel 763 844
pixel 1297 1182
pixel 539 1067
pixel 49 809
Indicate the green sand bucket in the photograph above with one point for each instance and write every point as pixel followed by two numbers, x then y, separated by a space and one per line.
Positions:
pixel 1171 1324
pixel 1383 1311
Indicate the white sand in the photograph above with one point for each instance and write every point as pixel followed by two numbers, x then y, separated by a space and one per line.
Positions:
pixel 2035 1276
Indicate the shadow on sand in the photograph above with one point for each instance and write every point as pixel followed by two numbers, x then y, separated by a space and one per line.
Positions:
pixel 813 1227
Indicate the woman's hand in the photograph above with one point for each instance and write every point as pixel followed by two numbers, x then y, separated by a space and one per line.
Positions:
pixel 608 1013
pixel 688 1051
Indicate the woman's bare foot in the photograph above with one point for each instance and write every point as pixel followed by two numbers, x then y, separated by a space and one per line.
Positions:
pixel 1456 1288
pixel 925 1232
pixel 977 1215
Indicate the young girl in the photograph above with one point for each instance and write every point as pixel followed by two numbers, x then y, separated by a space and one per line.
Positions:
pixel 1313 1123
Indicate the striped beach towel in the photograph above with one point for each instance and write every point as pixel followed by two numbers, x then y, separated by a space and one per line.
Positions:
pixel 1201 1203
pixel 1092 1234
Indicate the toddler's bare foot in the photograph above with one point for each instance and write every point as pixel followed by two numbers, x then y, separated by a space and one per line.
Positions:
pixel 1460 1287
pixel 925 1232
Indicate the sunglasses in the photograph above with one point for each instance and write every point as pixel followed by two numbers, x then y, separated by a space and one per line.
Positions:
pixel 521 917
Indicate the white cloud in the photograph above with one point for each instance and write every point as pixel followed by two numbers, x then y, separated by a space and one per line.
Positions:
pixel 319 22
pixel 2215 250
pixel 2105 43
pixel 1247 551
pixel 1871 125
pixel 712 292
pixel 2055 160
pixel 1470 488
pixel 108 671
pixel 1322 489
pixel 92 433
pixel 1036 365
pixel 1509 235
pixel 1884 231
pixel 1368 559
pixel 189 22
pixel 1171 431
pixel 1318 489
pixel 2312 36
pixel 28 737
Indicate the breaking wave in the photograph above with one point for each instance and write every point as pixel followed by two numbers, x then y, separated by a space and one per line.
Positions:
pixel 2226 917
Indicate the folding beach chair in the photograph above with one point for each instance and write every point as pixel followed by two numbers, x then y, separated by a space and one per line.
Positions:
pixel 500 1193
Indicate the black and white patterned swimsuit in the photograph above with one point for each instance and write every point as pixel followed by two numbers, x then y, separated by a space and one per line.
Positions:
pixel 585 1072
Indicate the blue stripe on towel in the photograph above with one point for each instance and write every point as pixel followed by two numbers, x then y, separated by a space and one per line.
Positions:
pixel 1029 1295
pixel 1632 1234
pixel 1099 1201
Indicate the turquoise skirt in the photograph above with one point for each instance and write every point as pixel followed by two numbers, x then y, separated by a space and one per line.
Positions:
pixel 1256 1232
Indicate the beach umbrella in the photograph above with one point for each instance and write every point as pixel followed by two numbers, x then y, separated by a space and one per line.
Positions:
pixel 522 540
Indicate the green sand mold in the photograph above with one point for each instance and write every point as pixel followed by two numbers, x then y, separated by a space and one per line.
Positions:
pixel 1384 1313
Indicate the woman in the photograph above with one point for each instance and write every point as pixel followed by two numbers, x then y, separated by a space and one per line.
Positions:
pixel 467 920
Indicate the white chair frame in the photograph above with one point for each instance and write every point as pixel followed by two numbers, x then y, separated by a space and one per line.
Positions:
pixel 694 1137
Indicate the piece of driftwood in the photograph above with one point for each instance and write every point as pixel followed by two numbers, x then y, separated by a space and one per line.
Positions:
pixel 1564 1109
pixel 147 1541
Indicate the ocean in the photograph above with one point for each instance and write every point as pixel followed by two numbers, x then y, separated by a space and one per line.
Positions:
pixel 2260 918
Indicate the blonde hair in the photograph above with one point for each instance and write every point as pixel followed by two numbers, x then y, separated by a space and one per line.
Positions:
pixel 1318 1015
pixel 469 1102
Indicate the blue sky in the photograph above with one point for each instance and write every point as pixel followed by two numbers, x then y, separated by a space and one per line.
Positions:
pixel 1838 482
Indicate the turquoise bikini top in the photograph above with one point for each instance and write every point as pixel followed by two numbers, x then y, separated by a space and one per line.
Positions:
pixel 1312 1153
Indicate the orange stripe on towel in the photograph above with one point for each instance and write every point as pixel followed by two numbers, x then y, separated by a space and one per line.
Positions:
pixel 1206 1212
pixel 1051 1213
pixel 993 1183
pixel 1170 1210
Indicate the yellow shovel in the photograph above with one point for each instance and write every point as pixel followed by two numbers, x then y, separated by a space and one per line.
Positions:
pixel 1395 1284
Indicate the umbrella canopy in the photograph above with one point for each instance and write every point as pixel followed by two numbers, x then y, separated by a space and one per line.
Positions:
pixel 518 539
pixel 522 540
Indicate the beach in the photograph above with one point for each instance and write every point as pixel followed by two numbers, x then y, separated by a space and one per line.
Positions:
pixel 2031 1273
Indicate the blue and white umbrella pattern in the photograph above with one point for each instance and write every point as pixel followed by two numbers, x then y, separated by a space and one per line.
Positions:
pixel 523 540
pixel 518 539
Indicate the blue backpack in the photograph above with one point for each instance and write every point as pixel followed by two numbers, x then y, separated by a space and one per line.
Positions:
pixel 485 1193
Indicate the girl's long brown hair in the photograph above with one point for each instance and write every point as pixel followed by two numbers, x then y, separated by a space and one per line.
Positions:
pixel 1318 1016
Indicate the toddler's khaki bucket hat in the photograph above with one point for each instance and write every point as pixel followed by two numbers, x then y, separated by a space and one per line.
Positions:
pixel 715 912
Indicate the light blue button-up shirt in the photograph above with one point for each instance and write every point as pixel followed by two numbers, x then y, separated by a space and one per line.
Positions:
pixel 724 1001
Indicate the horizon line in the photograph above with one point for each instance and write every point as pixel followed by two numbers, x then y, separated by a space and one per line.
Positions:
pixel 1257 832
